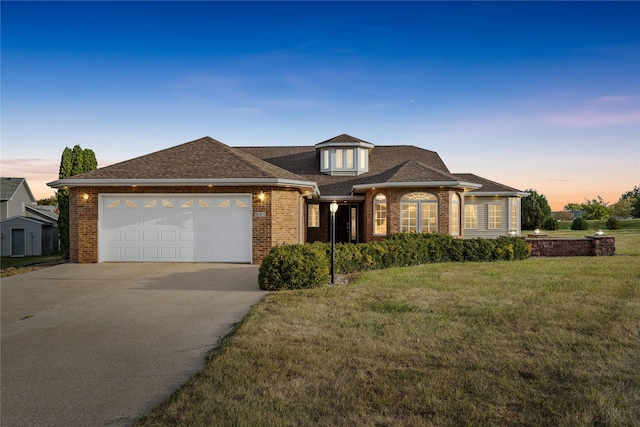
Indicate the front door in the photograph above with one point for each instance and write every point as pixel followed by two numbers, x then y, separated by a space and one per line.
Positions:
pixel 18 242
pixel 347 224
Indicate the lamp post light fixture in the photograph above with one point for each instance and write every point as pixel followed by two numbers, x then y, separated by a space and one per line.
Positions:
pixel 599 233
pixel 333 208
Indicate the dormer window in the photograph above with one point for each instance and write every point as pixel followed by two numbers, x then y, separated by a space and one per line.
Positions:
pixel 344 155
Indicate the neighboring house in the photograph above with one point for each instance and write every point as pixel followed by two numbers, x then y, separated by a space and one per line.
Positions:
pixel 15 194
pixel 205 201
pixel 23 236
pixel 43 212
pixel 27 229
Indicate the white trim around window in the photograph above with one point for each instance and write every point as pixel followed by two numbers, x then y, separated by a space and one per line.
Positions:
pixel 380 215
pixel 495 217
pixel 470 217
pixel 419 213
pixel 313 216
pixel 454 216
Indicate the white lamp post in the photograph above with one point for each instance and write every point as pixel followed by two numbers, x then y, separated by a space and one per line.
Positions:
pixel 333 208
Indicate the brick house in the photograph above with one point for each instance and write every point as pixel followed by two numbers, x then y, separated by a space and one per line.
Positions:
pixel 204 201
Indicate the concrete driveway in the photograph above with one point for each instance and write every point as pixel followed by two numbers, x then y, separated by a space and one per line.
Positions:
pixel 102 344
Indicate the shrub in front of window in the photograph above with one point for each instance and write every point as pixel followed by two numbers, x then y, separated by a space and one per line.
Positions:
pixel 579 224
pixel 613 223
pixel 294 267
pixel 307 266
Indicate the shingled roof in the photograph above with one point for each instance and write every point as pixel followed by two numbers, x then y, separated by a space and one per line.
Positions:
pixel 204 158
pixel 397 163
pixel 208 159
pixel 488 186
pixel 8 187
pixel 344 138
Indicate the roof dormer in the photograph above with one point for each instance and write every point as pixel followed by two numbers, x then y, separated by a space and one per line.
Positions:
pixel 344 155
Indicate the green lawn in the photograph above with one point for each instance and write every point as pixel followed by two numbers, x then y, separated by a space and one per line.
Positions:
pixel 538 342
pixel 17 262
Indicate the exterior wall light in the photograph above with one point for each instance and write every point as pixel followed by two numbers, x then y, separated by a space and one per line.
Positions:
pixel 261 196
pixel 85 196
pixel 599 233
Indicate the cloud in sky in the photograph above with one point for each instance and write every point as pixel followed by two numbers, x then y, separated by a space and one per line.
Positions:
pixel 582 119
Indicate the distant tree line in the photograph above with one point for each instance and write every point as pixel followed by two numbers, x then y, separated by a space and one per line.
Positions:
pixel 536 213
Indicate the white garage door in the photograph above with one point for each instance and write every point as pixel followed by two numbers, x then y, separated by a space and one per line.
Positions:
pixel 175 228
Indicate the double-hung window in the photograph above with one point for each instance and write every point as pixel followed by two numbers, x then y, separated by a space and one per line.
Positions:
pixel 380 215
pixel 495 217
pixel 470 216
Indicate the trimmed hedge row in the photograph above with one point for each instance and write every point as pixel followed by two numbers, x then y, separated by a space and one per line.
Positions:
pixel 307 266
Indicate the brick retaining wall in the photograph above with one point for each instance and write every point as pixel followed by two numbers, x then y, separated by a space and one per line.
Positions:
pixel 560 247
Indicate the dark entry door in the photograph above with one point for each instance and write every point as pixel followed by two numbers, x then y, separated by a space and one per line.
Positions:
pixel 18 242
pixel 347 224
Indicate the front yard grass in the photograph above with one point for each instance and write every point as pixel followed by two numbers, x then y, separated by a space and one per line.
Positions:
pixel 15 265
pixel 552 341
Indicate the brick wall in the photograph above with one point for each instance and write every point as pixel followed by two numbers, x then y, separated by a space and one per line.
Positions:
pixel 563 247
pixel 278 226
pixel 393 210
pixel 286 217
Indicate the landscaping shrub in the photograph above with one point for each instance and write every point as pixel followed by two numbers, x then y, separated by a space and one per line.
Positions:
pixel 294 267
pixel 307 266
pixel 579 224
pixel 613 223
pixel 550 223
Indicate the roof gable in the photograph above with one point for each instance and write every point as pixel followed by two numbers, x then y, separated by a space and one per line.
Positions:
pixel 204 158
pixel 9 187
pixel 344 138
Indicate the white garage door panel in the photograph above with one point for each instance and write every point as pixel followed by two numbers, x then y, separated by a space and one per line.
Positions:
pixel 176 228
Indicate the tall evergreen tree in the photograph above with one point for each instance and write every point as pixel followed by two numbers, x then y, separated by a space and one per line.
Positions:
pixel 77 161
pixel 73 162
pixel 535 210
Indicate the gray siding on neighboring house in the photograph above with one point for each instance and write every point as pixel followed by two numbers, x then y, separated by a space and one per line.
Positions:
pixel 13 207
pixel 483 229
pixel 40 238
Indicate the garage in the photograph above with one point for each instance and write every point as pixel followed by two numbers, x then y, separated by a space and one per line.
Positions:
pixel 175 228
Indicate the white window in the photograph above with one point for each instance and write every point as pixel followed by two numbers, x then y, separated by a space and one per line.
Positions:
pixel 325 158
pixel 454 215
pixel 339 163
pixel 471 216
pixel 514 214
pixel 419 213
pixel 380 215
pixel 349 155
pixel 495 217
pixel 313 215
pixel 363 159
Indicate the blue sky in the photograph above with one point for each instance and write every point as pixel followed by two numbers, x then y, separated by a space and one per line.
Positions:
pixel 531 94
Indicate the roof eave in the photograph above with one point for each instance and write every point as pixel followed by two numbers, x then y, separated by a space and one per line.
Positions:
pixel 341 198
pixel 345 144
pixel 498 193
pixel 455 184
pixel 222 182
